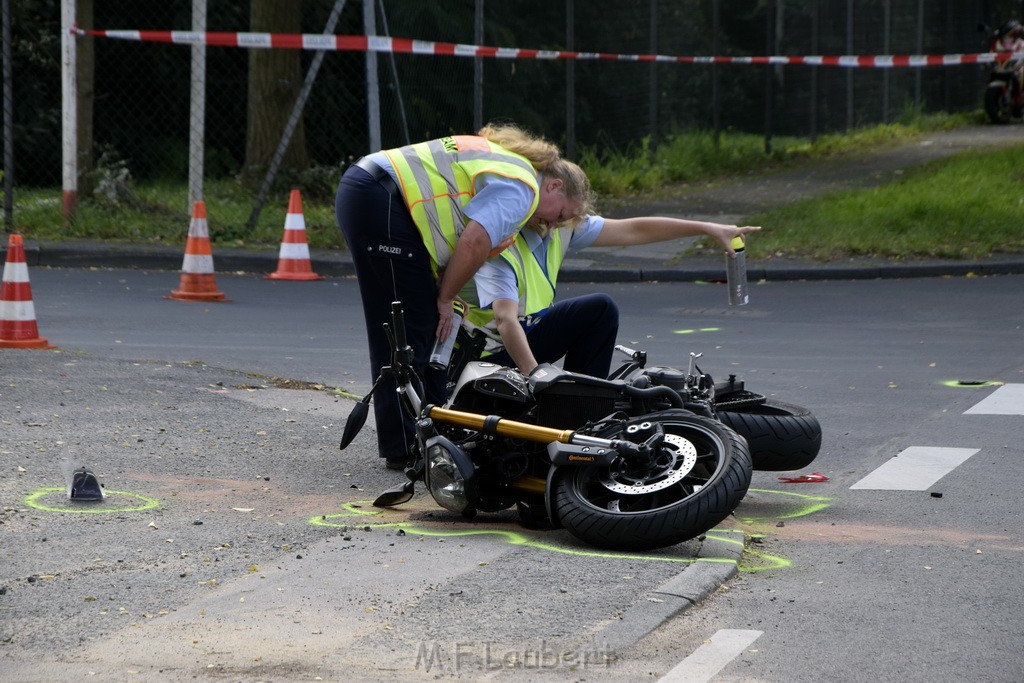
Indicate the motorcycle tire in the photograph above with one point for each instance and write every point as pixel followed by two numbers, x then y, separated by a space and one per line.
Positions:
pixel 997 105
pixel 780 436
pixel 701 475
pixel 533 514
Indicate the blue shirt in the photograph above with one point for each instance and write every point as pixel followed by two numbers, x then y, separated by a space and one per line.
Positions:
pixel 496 279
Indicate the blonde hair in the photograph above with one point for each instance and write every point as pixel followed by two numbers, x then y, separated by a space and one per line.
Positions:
pixel 547 159
pixel 540 152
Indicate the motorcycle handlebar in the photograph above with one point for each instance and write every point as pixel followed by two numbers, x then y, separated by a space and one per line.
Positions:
pixel 398 321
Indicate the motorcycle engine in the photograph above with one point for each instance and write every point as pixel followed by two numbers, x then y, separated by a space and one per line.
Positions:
pixel 491 389
pixel 667 377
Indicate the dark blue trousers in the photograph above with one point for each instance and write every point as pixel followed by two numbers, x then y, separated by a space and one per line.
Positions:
pixel 582 329
pixel 392 264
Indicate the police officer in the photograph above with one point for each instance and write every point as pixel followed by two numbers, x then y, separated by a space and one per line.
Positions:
pixel 419 221
pixel 516 292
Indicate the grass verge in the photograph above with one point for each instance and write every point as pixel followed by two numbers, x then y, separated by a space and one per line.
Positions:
pixel 967 206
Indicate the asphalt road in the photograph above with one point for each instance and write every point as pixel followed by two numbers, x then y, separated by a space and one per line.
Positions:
pixel 236 543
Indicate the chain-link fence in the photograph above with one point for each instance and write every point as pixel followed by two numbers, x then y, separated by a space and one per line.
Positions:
pixel 137 98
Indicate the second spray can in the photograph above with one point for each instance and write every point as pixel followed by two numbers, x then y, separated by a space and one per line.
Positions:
pixel 442 352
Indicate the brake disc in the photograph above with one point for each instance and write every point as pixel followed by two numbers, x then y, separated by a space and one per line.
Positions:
pixel 683 456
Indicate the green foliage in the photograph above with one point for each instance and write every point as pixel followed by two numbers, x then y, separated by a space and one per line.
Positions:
pixel 158 213
pixel 944 209
pixel 686 157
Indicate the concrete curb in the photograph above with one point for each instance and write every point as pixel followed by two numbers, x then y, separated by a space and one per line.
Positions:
pixel 784 273
pixel 339 264
pixel 717 561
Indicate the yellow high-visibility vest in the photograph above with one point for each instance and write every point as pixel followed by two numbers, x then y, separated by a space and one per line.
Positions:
pixel 438 177
pixel 536 289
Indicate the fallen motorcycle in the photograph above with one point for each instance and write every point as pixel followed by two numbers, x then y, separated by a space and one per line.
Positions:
pixel 560 448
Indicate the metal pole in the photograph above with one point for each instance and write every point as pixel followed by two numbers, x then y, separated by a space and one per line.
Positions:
pixel 849 72
pixel 394 76
pixel 570 81
pixel 652 96
pixel 293 120
pixel 769 90
pixel 372 83
pixel 478 67
pixel 814 73
pixel 69 104
pixel 716 96
pixel 886 33
pixel 8 120
pixel 920 50
pixel 197 109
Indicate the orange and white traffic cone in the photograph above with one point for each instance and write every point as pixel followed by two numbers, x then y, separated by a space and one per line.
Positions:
pixel 18 329
pixel 293 258
pixel 198 283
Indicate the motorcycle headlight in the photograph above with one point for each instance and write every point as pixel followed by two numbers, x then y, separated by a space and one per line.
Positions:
pixel 450 475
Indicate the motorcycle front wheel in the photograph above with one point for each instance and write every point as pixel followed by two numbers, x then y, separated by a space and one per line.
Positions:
pixel 780 436
pixel 699 476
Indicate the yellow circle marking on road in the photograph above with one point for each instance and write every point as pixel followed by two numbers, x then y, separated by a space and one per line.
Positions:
pixel 34 500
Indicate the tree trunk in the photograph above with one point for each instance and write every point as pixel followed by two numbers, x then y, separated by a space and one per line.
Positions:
pixel 275 78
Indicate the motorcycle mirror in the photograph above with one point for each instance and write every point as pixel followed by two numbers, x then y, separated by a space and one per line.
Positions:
pixel 355 422
pixel 396 496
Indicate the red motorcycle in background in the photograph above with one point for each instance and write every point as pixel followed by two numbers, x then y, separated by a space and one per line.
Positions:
pixel 1004 96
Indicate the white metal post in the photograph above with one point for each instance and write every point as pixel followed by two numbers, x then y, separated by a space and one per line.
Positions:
pixel 372 85
pixel 197 109
pixel 8 71
pixel 69 103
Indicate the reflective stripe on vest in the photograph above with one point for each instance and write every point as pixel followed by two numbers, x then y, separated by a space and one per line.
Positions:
pixel 438 178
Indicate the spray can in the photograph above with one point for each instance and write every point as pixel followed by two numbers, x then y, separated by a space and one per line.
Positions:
pixel 442 352
pixel 736 274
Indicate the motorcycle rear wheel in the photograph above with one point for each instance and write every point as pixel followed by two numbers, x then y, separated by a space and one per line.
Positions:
pixel 997 104
pixel 780 436
pixel 701 475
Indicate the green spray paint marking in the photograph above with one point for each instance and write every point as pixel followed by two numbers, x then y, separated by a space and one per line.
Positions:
pixel 812 504
pixel 511 537
pixel 971 383
pixel 703 329
pixel 33 501
pixel 752 559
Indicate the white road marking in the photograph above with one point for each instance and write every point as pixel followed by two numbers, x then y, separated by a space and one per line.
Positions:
pixel 711 657
pixel 1006 400
pixel 915 468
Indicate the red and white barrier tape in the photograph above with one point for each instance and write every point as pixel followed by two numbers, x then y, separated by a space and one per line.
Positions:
pixel 353 43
